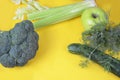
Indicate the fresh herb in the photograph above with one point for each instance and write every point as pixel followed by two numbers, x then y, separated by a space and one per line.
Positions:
pixel 108 37
pixel 84 63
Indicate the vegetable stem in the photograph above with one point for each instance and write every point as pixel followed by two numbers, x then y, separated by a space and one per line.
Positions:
pixel 59 14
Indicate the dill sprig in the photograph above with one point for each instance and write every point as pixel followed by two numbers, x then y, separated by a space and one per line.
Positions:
pixel 85 63
pixel 108 37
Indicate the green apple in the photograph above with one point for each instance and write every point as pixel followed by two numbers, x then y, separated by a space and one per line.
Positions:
pixel 92 16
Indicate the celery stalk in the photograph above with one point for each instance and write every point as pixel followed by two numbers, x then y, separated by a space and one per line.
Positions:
pixel 39 15
pixel 59 14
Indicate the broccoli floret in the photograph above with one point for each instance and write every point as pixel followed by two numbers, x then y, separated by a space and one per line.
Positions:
pixel 7 60
pixel 18 45
pixel 5 42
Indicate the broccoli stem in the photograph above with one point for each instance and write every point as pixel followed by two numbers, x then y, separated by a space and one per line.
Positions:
pixel 59 14
pixel 108 62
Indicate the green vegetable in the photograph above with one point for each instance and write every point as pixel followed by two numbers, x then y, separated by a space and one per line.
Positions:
pixel 108 37
pixel 19 45
pixel 43 16
pixel 59 14
pixel 108 62
pixel 92 16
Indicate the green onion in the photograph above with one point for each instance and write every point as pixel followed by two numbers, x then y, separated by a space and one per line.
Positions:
pixel 59 14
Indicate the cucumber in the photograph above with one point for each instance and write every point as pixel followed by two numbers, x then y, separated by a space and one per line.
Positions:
pixel 97 56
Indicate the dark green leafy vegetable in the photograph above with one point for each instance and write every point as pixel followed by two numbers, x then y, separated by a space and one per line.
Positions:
pixel 18 45
pixel 107 37
pixel 108 62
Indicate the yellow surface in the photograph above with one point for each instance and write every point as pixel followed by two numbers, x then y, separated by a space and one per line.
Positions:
pixel 53 61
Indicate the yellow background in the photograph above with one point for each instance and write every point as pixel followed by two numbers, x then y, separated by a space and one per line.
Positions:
pixel 53 61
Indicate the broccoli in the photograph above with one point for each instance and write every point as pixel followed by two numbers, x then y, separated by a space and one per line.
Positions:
pixel 18 45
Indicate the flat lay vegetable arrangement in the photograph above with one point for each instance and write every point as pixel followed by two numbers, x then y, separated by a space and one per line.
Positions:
pixel 100 37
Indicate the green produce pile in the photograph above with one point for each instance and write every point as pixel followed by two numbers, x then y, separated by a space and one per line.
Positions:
pixel 19 45
pixel 99 36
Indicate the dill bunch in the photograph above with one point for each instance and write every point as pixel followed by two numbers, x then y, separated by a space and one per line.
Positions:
pixel 108 37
